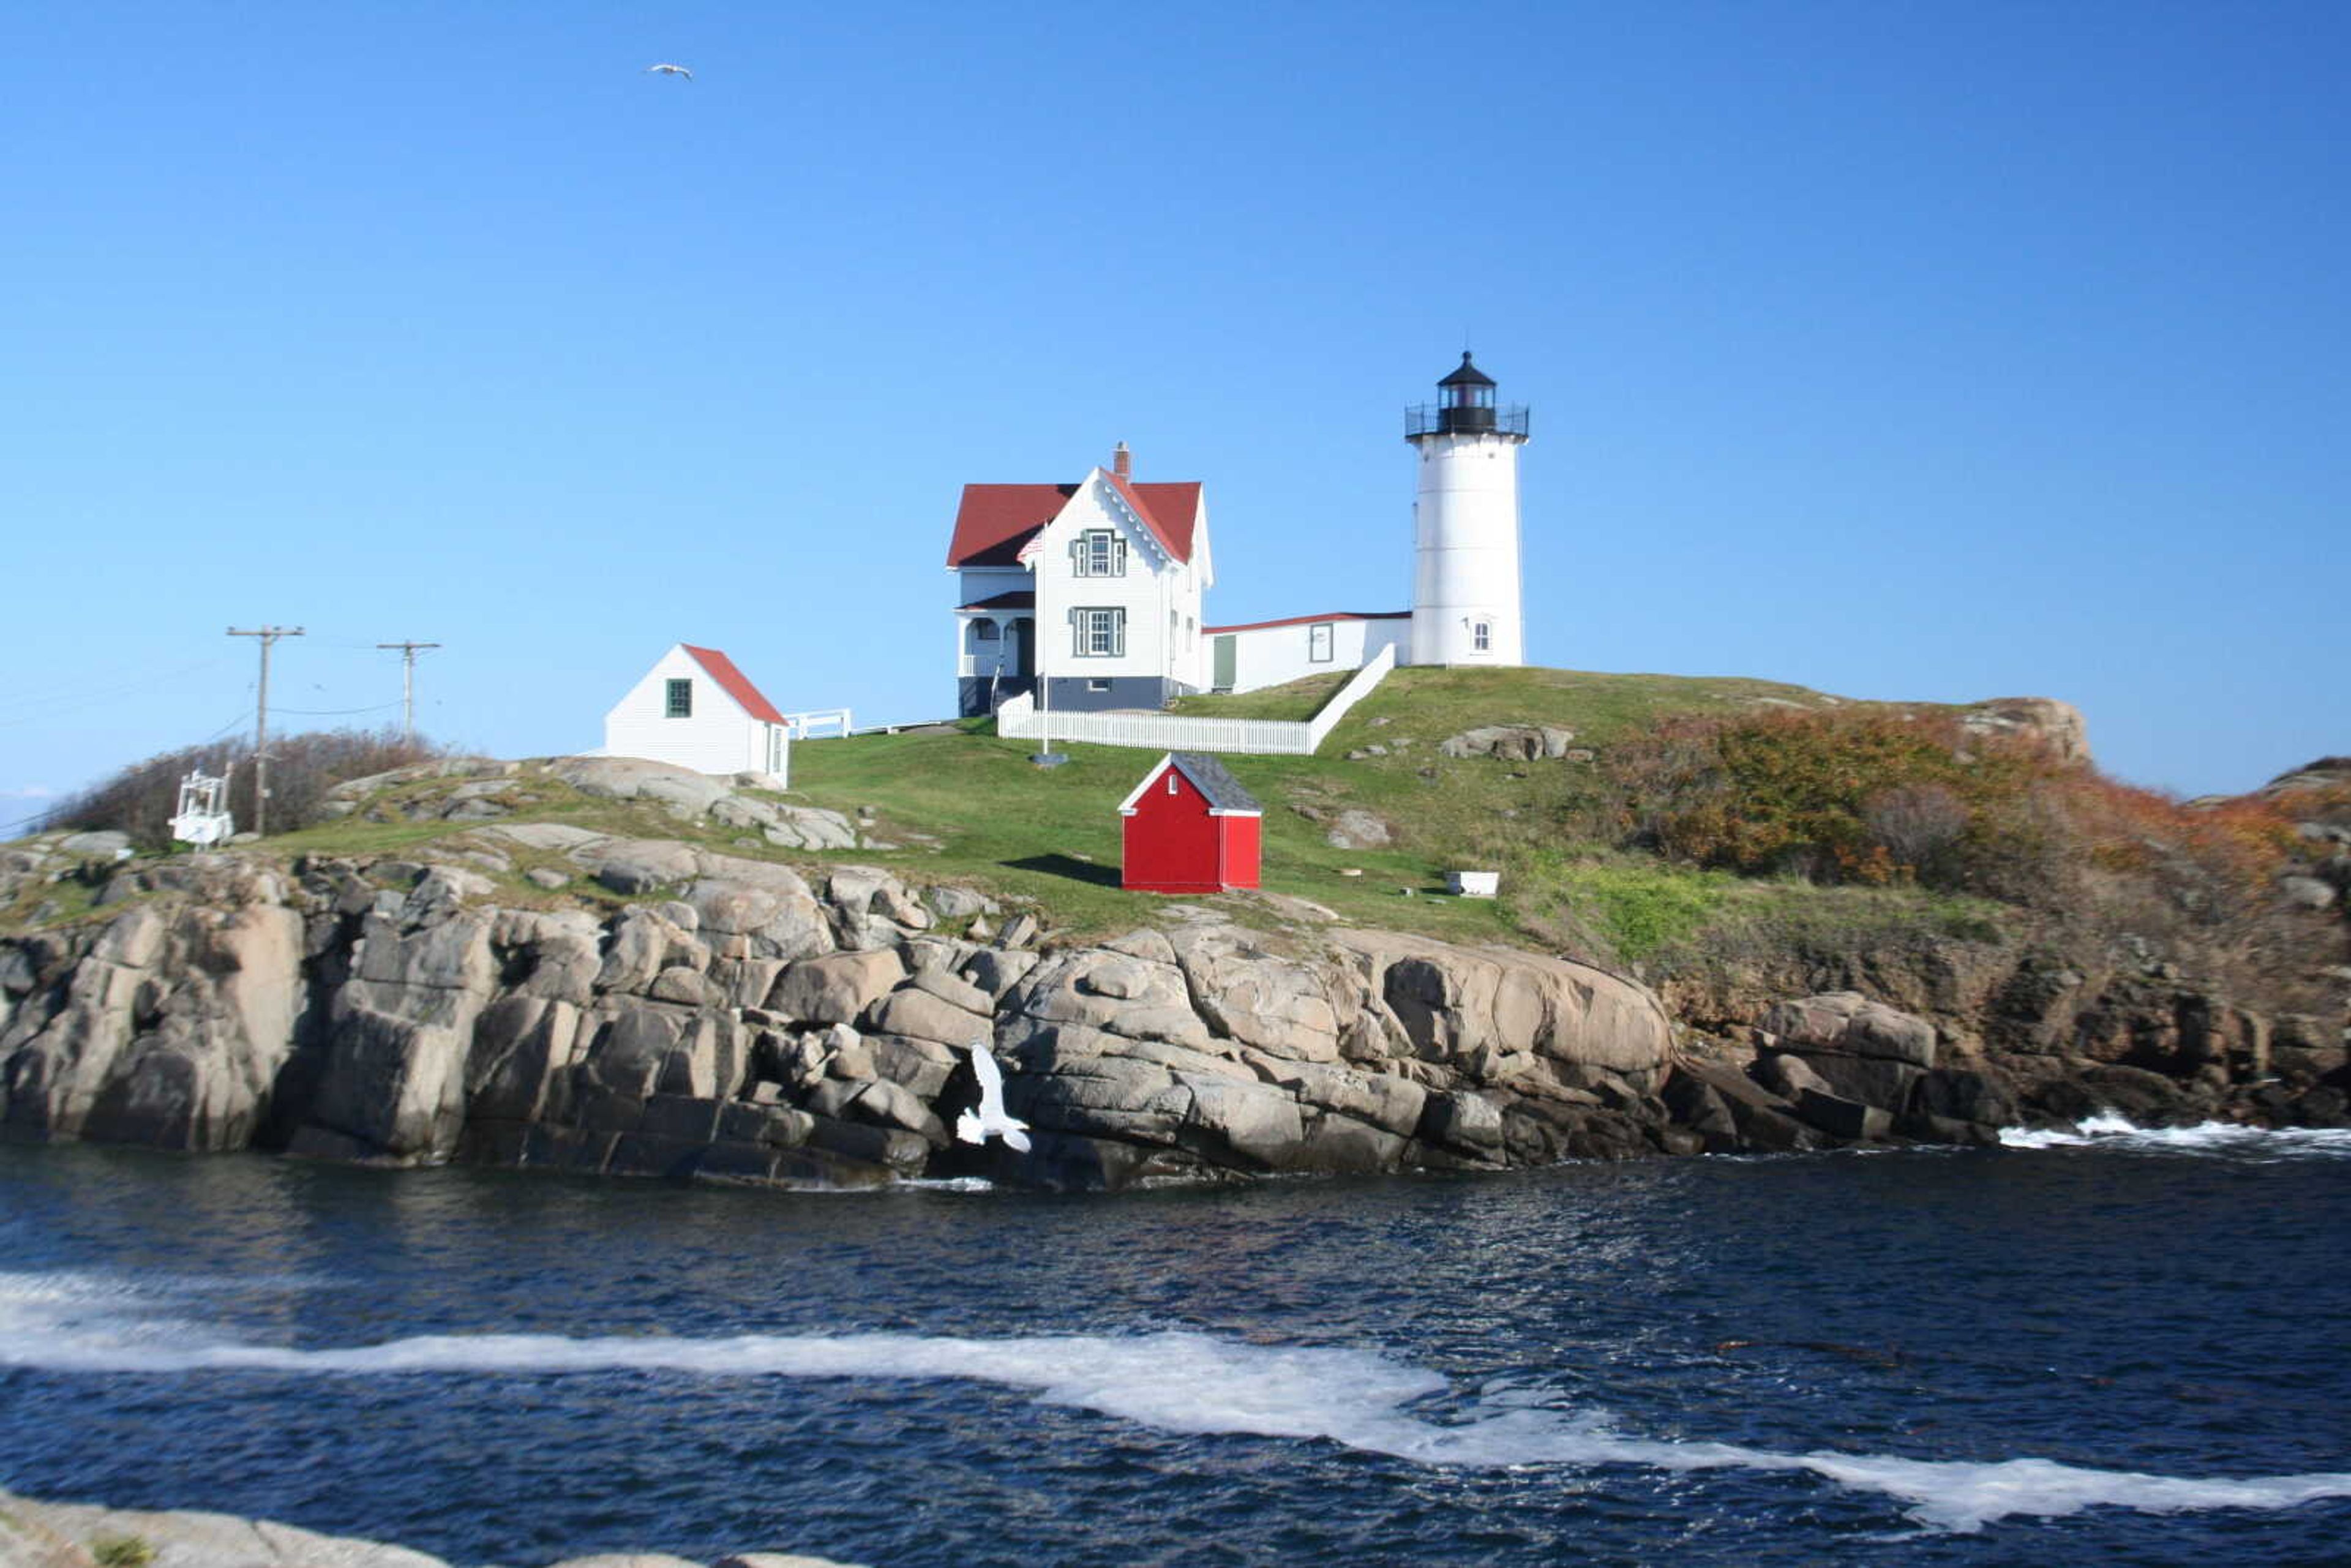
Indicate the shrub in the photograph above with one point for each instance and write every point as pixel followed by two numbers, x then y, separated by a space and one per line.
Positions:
pixel 1871 798
pixel 122 1551
pixel 139 801
pixel 1843 796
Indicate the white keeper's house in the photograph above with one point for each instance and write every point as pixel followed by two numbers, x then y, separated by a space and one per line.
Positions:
pixel 695 709
pixel 1101 584
pixel 1097 583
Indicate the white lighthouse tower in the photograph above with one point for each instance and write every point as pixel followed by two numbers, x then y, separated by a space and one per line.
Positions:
pixel 1465 596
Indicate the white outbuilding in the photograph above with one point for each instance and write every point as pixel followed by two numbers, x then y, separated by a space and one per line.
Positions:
pixel 695 709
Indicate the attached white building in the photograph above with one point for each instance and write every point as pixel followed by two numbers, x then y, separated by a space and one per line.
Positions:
pixel 695 709
pixel 1094 587
pixel 1271 652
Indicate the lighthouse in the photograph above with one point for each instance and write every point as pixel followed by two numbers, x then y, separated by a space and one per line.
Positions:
pixel 1465 596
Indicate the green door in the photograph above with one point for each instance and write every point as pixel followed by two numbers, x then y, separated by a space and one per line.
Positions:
pixel 1224 656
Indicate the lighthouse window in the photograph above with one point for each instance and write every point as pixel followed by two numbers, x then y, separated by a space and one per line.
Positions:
pixel 680 699
pixel 1481 636
pixel 1318 643
pixel 1101 634
pixel 1100 553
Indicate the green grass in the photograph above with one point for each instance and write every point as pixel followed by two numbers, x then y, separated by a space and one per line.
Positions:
pixel 1301 699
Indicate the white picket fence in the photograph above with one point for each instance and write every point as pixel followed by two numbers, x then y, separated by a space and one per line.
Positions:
pixel 1183 732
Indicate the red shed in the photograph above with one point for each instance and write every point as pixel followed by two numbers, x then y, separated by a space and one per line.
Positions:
pixel 1190 828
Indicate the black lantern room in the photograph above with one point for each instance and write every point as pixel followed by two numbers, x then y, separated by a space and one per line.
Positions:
pixel 1465 399
pixel 1465 407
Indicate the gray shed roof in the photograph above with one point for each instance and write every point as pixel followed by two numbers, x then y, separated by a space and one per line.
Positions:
pixel 1211 778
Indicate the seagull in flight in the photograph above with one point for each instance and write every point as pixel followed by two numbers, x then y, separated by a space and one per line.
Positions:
pixel 670 70
pixel 976 1127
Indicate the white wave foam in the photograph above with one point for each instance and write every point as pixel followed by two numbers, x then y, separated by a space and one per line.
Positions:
pixel 2108 1129
pixel 1178 1381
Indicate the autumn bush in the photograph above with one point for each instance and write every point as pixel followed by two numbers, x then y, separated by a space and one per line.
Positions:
pixel 139 801
pixel 1875 798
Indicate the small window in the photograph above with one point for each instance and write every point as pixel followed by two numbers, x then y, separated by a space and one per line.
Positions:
pixel 1171 780
pixel 1097 686
pixel 1318 643
pixel 1100 553
pixel 1481 636
pixel 984 631
pixel 680 699
pixel 1099 633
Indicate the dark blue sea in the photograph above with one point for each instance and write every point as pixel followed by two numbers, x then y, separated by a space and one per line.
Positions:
pixel 2113 1348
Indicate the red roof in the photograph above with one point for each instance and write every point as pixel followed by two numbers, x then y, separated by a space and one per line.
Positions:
pixel 1307 620
pixel 1020 599
pixel 996 520
pixel 1172 510
pixel 736 683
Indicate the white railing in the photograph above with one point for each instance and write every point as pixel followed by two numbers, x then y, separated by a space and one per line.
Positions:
pixel 1183 732
pixel 806 726
pixel 1358 686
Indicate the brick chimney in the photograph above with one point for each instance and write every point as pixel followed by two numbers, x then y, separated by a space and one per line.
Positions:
pixel 1121 462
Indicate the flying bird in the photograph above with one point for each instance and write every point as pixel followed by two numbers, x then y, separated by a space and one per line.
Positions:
pixel 670 70
pixel 976 1127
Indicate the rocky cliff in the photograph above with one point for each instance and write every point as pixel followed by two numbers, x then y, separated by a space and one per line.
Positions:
pixel 676 1011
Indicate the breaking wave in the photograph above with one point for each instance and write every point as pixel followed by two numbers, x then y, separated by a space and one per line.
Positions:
pixel 1177 1382
pixel 2108 1130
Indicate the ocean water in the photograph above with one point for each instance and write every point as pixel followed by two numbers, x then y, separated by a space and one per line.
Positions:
pixel 2102 1346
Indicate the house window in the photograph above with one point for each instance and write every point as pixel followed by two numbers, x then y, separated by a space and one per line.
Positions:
pixel 680 699
pixel 1100 553
pixel 1101 634
pixel 1097 686
pixel 983 632
pixel 1318 643
pixel 1171 780
pixel 1481 636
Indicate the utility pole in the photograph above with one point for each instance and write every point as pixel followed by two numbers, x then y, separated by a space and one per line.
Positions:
pixel 408 685
pixel 268 634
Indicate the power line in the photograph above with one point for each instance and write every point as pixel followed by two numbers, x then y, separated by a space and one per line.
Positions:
pixel 335 712
pixel 33 709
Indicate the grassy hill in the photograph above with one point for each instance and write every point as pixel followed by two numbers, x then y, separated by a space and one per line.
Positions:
pixel 1053 834
pixel 965 805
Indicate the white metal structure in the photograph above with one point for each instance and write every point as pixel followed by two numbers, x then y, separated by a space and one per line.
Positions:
pixel 827 720
pixel 695 709
pixel 1466 591
pixel 1181 732
pixel 201 817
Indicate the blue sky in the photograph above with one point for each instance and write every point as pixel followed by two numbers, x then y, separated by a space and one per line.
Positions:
pixel 1924 351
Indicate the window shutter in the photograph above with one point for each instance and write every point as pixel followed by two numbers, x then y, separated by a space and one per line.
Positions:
pixel 1118 558
pixel 1076 634
pixel 1118 632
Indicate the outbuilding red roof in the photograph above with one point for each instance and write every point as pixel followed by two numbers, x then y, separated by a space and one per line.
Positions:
pixel 996 520
pixel 736 683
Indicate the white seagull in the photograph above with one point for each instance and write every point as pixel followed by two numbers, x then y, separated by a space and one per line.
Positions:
pixel 974 1126
pixel 669 70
